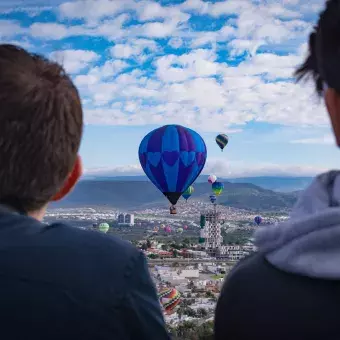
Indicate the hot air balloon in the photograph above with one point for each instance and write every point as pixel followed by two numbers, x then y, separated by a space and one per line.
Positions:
pixel 185 227
pixel 212 198
pixel 167 229
pixel 222 141
pixel 187 193
pixel 172 157
pixel 212 179
pixel 258 220
pixel 162 226
pixel 180 230
pixel 169 299
pixel 104 227
pixel 217 188
pixel 155 229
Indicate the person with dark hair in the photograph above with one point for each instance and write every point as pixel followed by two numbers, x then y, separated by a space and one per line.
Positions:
pixel 57 281
pixel 290 288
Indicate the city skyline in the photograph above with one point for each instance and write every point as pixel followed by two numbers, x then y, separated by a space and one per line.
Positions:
pixel 213 66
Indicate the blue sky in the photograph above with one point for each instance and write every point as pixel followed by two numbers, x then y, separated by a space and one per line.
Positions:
pixel 213 66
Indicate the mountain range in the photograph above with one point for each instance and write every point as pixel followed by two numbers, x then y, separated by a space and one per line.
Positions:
pixel 275 183
pixel 134 194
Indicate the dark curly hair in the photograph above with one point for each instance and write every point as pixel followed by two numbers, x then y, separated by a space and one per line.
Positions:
pixel 323 60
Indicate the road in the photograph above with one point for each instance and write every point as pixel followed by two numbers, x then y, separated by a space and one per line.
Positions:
pixel 187 261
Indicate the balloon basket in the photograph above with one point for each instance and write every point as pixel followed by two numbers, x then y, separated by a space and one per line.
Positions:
pixel 173 210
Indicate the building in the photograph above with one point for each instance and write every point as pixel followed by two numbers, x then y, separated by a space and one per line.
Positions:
pixel 126 219
pixel 212 233
pixel 121 219
pixel 130 219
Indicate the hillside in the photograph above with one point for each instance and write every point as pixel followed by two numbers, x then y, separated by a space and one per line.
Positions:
pixel 136 195
pixel 275 183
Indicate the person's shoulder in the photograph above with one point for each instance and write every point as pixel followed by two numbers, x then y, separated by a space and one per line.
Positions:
pixel 102 254
pixel 88 239
pixel 249 268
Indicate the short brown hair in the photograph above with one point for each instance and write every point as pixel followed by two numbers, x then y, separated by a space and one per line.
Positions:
pixel 41 123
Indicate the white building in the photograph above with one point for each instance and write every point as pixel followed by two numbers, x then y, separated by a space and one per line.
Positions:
pixel 189 273
pixel 212 233
pixel 126 219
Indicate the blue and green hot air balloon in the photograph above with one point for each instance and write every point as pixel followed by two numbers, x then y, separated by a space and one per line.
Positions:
pixel 258 220
pixel 217 188
pixel 172 157
pixel 187 193
pixel 212 198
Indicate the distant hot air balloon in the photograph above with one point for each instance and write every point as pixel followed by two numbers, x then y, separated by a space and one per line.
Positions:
pixel 258 220
pixel 217 188
pixel 168 229
pixel 104 227
pixel 162 226
pixel 156 229
pixel 185 227
pixel 222 141
pixel 212 179
pixel 187 193
pixel 169 299
pixel 212 198
pixel 172 157
pixel 180 230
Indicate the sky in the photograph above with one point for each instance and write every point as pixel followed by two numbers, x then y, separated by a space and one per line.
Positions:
pixel 213 66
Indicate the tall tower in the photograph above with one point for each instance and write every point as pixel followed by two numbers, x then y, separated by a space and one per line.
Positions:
pixel 212 232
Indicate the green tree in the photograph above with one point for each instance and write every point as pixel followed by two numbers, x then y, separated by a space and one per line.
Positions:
pixel 209 294
pixel 165 247
pixel 148 243
pixel 202 313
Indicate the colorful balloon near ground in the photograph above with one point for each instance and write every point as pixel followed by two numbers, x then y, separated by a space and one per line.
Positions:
pixel 167 229
pixel 169 298
pixel 104 227
pixel 187 193
pixel 258 220
pixel 222 141
pixel 212 179
pixel 172 157
pixel 217 188
pixel 212 198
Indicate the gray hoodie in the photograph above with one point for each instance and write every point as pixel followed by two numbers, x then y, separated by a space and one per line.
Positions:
pixel 309 242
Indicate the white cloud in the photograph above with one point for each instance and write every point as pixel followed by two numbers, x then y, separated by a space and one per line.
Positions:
pixel 204 87
pixel 175 42
pixel 324 140
pixel 225 169
pixel 134 48
pixel 198 63
pixel 75 61
pixel 10 28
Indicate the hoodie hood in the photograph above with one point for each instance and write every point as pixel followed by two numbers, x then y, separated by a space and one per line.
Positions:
pixel 309 242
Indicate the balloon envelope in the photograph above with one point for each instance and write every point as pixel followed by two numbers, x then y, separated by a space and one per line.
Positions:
pixel 217 188
pixel 212 198
pixel 212 179
pixel 222 141
pixel 104 227
pixel 187 193
pixel 258 220
pixel 172 157
pixel 169 298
